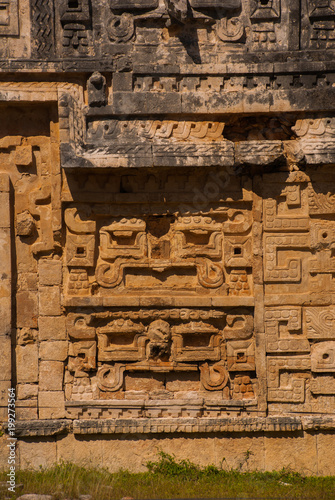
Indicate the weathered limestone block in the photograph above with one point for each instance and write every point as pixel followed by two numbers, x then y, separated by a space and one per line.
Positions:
pixel 51 404
pixel 53 351
pixel 5 356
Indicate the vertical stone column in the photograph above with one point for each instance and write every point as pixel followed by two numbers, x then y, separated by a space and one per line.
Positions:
pixel 5 294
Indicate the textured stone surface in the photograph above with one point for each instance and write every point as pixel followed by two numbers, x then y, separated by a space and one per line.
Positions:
pixel 27 363
pixel 239 450
pixel 51 376
pixel 166 229
pixel 44 454
pixel 52 328
pixel 51 402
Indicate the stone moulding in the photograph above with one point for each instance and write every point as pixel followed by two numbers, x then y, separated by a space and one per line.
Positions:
pixel 173 226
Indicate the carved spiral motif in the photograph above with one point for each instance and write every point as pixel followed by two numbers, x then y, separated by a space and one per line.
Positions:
pixel 210 275
pixel 121 28
pixel 109 276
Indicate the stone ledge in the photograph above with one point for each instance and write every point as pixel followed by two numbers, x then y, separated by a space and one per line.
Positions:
pixel 246 153
pixel 264 62
pixel 146 410
pixel 42 428
pixel 36 428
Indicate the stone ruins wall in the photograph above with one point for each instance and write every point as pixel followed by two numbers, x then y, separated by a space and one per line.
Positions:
pixel 167 230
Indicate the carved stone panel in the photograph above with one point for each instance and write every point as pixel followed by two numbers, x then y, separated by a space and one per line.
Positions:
pixel 160 283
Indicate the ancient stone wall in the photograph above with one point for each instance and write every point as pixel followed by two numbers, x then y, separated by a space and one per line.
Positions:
pixel 167 230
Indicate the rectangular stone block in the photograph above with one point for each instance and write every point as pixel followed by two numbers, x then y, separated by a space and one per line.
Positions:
pixel 54 351
pixel 26 309
pixel 297 452
pixel 5 315
pixel 51 404
pixel 27 363
pixel 52 327
pixel 50 272
pixel 80 451
pixel 51 376
pixel 10 25
pixel 122 82
pixel 34 451
pixel 50 301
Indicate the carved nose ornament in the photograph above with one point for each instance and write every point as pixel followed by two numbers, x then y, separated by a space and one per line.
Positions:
pixel 177 10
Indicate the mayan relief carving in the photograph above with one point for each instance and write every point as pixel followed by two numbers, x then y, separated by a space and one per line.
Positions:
pixel 166 188
pixel 169 349
pixel 153 283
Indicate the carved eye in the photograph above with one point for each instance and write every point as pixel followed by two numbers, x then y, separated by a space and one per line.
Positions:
pixel 325 356
pixel 237 251
pixel 324 235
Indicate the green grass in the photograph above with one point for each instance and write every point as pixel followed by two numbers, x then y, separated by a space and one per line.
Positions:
pixel 168 478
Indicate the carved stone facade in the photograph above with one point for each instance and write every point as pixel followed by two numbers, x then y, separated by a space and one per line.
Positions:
pixel 167 226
